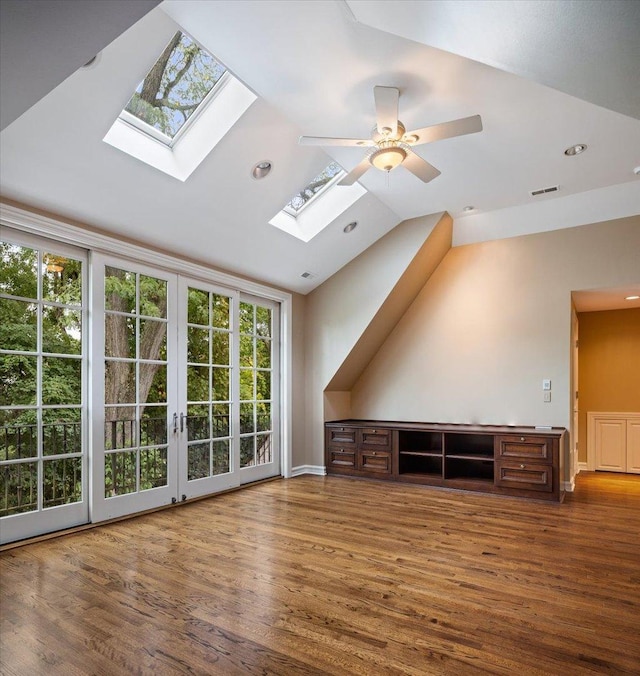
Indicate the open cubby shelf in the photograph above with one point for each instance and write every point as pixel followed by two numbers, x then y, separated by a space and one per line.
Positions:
pixel 411 463
pixel 524 461
pixel 479 470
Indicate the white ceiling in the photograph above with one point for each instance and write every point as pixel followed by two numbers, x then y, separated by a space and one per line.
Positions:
pixel 314 68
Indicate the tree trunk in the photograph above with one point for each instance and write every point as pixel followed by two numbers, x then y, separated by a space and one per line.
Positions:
pixel 151 84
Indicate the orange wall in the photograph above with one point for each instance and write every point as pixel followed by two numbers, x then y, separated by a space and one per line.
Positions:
pixel 608 366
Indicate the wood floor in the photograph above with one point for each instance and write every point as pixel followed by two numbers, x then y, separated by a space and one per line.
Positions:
pixel 337 576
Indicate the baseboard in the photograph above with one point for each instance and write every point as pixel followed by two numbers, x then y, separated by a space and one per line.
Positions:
pixel 583 467
pixel 569 486
pixel 320 470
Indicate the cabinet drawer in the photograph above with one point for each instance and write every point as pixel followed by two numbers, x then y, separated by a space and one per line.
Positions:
pixel 376 438
pixel 341 457
pixel 375 461
pixel 342 435
pixel 525 476
pixel 519 447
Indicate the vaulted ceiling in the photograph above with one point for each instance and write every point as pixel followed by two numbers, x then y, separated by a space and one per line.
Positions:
pixel 543 76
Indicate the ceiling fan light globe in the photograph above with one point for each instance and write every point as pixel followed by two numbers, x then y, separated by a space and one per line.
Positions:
pixel 387 159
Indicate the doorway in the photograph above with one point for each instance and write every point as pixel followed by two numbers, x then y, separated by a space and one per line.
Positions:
pixel 607 371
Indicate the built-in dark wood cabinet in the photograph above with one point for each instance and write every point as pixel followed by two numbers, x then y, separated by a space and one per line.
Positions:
pixel 522 461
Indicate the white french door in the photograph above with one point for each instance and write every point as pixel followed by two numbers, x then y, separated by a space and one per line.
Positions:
pixel 185 388
pixel 259 395
pixel 134 388
pixel 228 389
pixel 207 388
pixel 43 365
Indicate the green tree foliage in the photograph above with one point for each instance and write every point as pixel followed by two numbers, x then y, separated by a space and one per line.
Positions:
pixel 61 324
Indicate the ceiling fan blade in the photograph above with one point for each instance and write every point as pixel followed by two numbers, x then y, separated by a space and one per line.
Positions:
pixel 356 172
pixel 327 141
pixel 420 168
pixel 437 132
pixel 386 99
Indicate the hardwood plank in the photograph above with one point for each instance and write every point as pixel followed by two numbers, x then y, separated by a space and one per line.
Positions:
pixel 331 575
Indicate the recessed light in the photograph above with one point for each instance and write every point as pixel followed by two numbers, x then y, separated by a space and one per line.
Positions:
pixel 576 149
pixel 636 171
pixel 350 227
pixel 261 170
pixel 632 298
pixel 469 208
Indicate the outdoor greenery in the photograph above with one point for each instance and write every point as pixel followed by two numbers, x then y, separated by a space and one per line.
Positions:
pixel 41 394
pixel 56 309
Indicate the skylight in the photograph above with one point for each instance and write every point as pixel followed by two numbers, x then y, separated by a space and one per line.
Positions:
pixel 315 207
pixel 182 109
pixel 315 187
pixel 172 91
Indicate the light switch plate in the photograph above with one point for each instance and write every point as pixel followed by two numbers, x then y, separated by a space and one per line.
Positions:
pixel 546 384
pixel 547 397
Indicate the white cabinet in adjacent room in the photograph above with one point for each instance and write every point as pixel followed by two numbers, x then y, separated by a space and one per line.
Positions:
pixel 613 441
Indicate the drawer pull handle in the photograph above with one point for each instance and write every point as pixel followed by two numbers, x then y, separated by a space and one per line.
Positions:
pixel 521 438
pixel 522 466
pixel 374 452
pixel 374 432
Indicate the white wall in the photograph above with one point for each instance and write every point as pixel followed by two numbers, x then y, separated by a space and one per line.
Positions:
pixel 490 324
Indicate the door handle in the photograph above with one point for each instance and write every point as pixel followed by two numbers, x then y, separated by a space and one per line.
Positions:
pixel 175 423
pixel 182 418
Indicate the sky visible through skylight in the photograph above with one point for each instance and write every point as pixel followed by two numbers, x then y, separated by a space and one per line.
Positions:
pixel 313 188
pixel 176 85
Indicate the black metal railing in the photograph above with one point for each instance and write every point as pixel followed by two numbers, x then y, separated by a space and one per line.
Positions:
pixel 18 442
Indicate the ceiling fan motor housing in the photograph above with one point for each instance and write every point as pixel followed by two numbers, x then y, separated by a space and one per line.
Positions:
pixel 378 137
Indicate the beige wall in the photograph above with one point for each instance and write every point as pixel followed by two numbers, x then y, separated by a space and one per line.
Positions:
pixel 339 311
pixel 608 366
pixel 492 322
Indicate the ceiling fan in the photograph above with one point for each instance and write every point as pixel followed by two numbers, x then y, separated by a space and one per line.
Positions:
pixel 391 143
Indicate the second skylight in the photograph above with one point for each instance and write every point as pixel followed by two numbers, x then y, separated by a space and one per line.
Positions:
pixel 316 186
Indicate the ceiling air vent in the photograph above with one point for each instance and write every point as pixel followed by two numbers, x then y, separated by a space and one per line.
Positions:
pixel 307 275
pixel 544 191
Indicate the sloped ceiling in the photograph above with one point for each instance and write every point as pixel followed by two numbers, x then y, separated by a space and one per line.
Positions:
pixel 32 31
pixel 589 49
pixel 314 68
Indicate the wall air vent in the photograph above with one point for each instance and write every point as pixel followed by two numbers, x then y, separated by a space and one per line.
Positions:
pixel 544 191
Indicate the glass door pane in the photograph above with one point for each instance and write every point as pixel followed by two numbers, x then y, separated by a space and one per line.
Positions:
pixel 259 389
pixel 42 401
pixel 135 382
